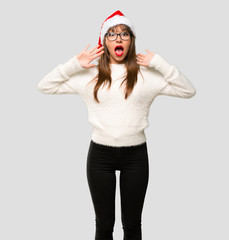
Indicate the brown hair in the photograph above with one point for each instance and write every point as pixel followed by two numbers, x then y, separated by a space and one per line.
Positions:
pixel 104 71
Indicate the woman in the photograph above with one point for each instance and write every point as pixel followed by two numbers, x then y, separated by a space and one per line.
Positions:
pixel 118 93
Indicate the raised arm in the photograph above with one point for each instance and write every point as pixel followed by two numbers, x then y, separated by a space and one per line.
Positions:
pixel 174 82
pixel 65 78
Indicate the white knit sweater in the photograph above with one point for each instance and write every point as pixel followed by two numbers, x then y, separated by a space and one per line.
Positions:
pixel 116 121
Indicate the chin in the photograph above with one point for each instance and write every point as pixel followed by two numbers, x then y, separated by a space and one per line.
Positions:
pixel 119 59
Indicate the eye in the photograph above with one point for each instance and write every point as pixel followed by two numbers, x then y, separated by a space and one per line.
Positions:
pixel 125 34
pixel 111 34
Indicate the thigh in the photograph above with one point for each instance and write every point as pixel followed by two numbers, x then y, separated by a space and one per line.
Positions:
pixel 101 180
pixel 134 177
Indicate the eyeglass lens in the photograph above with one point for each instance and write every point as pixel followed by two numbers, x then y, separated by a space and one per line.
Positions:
pixel 113 36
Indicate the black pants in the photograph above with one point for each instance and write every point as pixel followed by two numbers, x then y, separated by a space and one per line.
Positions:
pixel 132 162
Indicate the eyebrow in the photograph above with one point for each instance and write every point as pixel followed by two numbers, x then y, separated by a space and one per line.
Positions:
pixel 120 32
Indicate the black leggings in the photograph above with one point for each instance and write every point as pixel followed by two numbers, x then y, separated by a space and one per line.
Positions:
pixel 132 162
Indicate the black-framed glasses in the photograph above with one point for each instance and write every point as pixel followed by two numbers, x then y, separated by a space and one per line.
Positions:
pixel 112 36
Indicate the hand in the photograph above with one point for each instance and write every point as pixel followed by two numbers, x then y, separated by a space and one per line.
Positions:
pixel 85 57
pixel 144 59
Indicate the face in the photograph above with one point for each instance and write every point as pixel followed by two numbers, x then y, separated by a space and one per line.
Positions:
pixel 117 55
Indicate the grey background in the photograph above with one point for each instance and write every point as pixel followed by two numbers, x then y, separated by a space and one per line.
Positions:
pixel 45 138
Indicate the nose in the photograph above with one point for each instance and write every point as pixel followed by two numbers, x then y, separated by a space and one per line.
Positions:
pixel 119 38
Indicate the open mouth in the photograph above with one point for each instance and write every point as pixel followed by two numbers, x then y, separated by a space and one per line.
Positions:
pixel 119 50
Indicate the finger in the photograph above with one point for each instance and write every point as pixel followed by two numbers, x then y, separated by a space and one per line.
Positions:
pixel 148 51
pixel 91 65
pixel 141 58
pixel 98 54
pixel 85 49
pixel 93 49
pixel 141 55
pixel 142 64
pixel 99 49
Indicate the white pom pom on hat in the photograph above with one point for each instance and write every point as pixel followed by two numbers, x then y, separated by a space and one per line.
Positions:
pixel 114 19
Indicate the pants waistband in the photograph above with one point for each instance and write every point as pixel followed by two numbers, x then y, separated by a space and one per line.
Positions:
pixel 115 147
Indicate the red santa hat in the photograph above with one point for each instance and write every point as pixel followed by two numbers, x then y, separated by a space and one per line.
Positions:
pixel 114 19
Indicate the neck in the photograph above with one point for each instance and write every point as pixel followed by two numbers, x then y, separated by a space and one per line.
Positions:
pixel 113 61
pixel 117 63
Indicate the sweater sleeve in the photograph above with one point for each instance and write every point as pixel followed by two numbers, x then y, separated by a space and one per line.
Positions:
pixel 174 82
pixel 63 79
